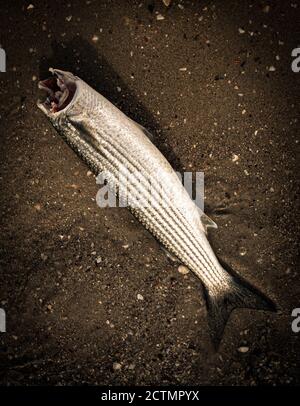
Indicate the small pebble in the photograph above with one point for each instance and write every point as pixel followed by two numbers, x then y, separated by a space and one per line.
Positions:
pixel 44 257
pixel 266 9
pixel 117 366
pixel 243 251
pixel 140 297
pixel 243 349
pixel 183 269
pixel 160 17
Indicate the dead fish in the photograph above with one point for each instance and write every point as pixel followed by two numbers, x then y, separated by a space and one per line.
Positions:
pixel 108 140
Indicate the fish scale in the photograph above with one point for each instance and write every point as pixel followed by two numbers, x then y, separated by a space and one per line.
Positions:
pixel 109 141
pixel 170 214
pixel 167 228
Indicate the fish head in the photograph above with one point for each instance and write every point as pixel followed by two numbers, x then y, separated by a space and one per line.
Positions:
pixel 61 91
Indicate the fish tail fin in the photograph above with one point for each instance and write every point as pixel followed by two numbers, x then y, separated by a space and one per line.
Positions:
pixel 237 294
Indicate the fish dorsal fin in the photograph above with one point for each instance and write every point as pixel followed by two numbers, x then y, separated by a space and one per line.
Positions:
pixel 145 131
pixel 207 222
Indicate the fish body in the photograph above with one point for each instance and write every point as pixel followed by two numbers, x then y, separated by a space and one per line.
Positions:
pixel 110 142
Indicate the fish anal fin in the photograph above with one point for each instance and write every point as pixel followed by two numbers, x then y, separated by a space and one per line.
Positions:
pixel 170 255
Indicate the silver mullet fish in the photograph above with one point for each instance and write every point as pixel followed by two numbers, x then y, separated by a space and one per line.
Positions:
pixel 109 141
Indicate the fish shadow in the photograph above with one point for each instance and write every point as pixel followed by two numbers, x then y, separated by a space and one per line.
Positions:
pixel 81 58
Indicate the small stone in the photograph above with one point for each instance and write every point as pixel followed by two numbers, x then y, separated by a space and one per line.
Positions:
pixel 243 349
pixel 160 17
pixel 117 366
pixel 98 260
pixel 44 257
pixel 69 18
pixel 119 89
pixel 235 158
pixel 266 9
pixel 272 69
pixel 34 78
pixel 243 251
pixel 183 269
pixel 30 7
pixel 183 69
pixel 89 173
pixel 95 38
pixel 241 31
pixel 37 207
pixel 140 297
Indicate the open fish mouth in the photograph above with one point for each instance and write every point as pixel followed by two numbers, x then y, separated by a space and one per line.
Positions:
pixel 60 90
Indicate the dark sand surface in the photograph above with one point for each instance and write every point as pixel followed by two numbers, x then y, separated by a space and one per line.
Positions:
pixel 232 112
